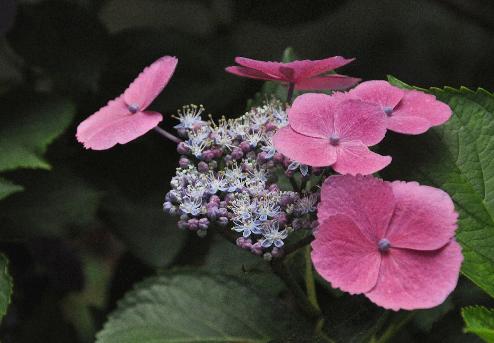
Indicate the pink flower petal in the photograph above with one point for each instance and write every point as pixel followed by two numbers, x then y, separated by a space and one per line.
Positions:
pixel 356 120
pixel 343 256
pixel 419 104
pixel 106 128
pixel 334 82
pixel 308 68
pixel 407 124
pixel 150 82
pixel 251 73
pixel 424 218
pixel 410 279
pixel 312 114
pixel 312 151
pixel 356 159
pixel 379 92
pixel 369 201
pixel 269 68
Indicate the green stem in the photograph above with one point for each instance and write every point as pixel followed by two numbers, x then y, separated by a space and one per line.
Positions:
pixel 310 285
pixel 394 328
pixel 289 95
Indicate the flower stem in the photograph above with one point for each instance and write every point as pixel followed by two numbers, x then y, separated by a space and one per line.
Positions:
pixel 167 135
pixel 394 328
pixel 279 268
pixel 310 285
pixel 289 95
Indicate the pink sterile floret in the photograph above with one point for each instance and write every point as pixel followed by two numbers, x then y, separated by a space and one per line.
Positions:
pixel 407 111
pixel 329 130
pixel 125 118
pixel 304 75
pixel 393 242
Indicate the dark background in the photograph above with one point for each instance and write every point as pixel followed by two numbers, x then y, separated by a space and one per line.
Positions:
pixel 79 253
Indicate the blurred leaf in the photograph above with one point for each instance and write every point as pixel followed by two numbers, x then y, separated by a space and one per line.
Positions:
pixel 459 158
pixel 424 319
pixel 65 40
pixel 147 232
pixel 480 321
pixel 227 258
pixel 54 203
pixel 7 15
pixel 7 188
pixel 29 127
pixel 188 306
pixel 6 285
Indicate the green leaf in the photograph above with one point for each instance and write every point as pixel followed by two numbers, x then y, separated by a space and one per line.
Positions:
pixel 53 203
pixel 480 321
pixel 148 233
pixel 459 158
pixel 187 306
pixel 7 188
pixel 6 285
pixel 32 125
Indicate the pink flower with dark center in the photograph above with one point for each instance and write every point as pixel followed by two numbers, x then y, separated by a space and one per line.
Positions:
pixel 304 75
pixel 328 130
pixel 125 118
pixel 407 111
pixel 393 242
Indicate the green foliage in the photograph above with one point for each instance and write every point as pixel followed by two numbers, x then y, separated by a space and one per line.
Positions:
pixel 6 285
pixel 147 232
pixel 480 321
pixel 30 128
pixel 55 202
pixel 188 306
pixel 459 158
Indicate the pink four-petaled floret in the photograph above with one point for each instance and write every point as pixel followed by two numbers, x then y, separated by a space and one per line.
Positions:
pixel 329 130
pixel 393 242
pixel 304 75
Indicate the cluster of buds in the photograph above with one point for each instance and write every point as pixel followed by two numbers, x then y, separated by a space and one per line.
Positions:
pixel 229 175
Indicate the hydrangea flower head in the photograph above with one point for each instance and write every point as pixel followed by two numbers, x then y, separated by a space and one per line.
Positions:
pixel 125 118
pixel 304 75
pixel 330 130
pixel 407 111
pixel 393 242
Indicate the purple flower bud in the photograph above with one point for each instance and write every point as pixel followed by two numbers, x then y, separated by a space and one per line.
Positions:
pixel 227 159
pixel 278 157
pixel 184 217
pixel 289 173
pixel 182 148
pixel 208 155
pixel 277 252
pixel 222 221
pixel 270 164
pixel 212 212
pixel 270 126
pixel 237 153
pixel 202 233
pixel 182 225
pixel 182 132
pixel 183 162
pixel 245 146
pixel 215 199
pixel 203 223
pixel 222 212
pixel 202 167
pixel 297 224
pixel 218 153
pixel 193 224
pixel 167 206
pixel 282 218
pixel 228 198
pixel 261 157
pixel 256 248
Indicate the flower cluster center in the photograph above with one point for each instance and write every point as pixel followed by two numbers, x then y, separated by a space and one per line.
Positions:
pixel 334 140
pixel 133 108
pixel 388 110
pixel 384 245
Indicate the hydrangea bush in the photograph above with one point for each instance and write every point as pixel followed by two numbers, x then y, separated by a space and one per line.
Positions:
pixel 303 172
